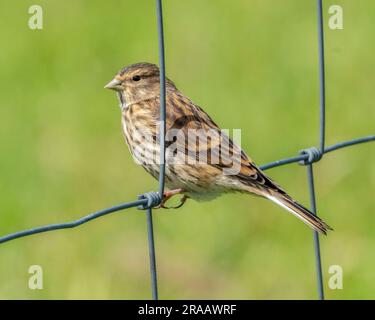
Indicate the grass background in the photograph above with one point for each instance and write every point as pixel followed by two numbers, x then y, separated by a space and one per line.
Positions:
pixel 251 65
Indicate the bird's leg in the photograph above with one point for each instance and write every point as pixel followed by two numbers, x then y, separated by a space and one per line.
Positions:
pixel 169 194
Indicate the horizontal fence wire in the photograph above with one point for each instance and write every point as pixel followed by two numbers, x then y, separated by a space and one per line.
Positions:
pixel 150 200
pixel 146 201
pixel 303 157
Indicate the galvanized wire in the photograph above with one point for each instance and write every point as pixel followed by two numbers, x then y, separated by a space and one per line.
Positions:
pixel 146 202
pixel 159 13
pixel 151 251
pixel 318 259
pixel 73 224
pixel 152 199
pixel 162 131
pixel 319 155
pixel 322 78
pixel 302 157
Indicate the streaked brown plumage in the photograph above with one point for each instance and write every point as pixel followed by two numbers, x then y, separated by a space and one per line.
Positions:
pixel 137 88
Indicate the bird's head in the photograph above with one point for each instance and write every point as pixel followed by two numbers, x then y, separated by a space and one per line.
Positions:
pixel 136 82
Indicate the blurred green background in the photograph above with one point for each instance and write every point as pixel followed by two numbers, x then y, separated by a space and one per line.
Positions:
pixel 252 65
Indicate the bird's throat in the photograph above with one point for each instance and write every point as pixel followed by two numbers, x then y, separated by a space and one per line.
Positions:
pixel 121 98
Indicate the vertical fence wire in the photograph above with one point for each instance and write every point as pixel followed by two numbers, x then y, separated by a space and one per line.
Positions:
pixel 310 173
pixel 162 130
pixel 151 250
pixel 162 96
pixel 318 260
pixel 322 80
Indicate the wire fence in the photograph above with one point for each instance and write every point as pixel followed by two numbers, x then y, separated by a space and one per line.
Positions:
pixel 149 200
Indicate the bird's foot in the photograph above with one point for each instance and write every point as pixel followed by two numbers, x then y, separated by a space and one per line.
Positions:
pixel 168 195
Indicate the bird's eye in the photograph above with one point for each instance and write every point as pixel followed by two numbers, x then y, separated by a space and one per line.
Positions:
pixel 136 78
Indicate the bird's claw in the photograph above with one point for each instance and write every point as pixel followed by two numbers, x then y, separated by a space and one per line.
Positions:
pixel 170 194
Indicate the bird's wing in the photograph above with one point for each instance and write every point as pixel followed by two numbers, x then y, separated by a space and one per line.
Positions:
pixel 220 150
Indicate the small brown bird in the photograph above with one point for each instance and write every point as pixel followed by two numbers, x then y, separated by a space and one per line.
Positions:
pixel 224 166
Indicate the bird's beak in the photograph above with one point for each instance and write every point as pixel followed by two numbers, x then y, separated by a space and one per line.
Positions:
pixel 114 84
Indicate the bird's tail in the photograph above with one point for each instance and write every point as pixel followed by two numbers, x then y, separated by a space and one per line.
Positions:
pixel 299 211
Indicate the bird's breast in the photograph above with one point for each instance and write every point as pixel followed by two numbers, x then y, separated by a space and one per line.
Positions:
pixel 140 132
